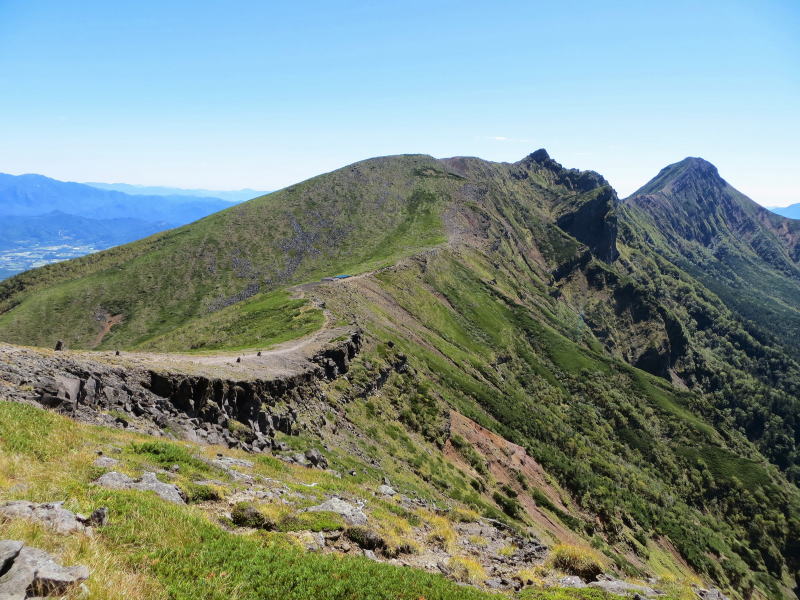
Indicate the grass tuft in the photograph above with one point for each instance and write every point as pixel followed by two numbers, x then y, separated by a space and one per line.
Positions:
pixel 577 560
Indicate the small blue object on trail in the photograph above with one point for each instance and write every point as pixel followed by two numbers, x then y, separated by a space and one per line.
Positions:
pixel 335 277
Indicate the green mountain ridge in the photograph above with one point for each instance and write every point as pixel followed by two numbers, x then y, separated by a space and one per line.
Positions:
pixel 635 349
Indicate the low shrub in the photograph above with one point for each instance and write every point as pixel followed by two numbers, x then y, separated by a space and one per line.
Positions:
pixel 464 515
pixel 202 492
pixel 442 532
pixel 510 506
pixel 166 454
pixel 365 538
pixel 244 514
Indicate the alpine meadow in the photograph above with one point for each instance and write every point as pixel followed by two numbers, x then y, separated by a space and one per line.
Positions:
pixel 651 409
pixel 432 362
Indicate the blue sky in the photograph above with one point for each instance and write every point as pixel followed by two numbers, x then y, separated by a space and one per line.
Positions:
pixel 263 94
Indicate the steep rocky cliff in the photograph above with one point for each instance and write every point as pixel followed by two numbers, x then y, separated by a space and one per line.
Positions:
pixel 243 413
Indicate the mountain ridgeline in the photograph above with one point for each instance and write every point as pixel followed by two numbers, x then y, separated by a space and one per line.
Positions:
pixel 32 195
pixel 643 351
pixel 45 220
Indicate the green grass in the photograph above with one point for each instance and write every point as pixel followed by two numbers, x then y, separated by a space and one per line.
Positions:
pixel 266 320
pixel 518 329
pixel 177 549
pixel 565 594
pixel 165 453
pixel 609 433
pixel 154 550
pixel 725 466
pixel 342 222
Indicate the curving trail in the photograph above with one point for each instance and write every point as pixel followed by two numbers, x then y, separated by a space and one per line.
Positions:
pixel 279 361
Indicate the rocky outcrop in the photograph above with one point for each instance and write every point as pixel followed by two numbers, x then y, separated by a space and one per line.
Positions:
pixel 593 221
pixel 623 588
pixel 237 413
pixel 32 573
pixel 147 483
pixel 709 594
pixel 353 515
pixel 573 180
pixel 52 515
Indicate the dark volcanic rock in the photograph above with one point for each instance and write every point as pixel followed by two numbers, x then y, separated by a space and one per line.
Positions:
pixel 316 459
pixel 594 222
pixel 243 414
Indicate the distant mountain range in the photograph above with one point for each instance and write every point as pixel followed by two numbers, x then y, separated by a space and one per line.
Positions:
pixel 150 190
pixel 43 220
pixel 792 211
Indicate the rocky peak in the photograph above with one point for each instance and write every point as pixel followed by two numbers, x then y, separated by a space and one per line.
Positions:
pixel 699 166
pixel 689 200
pixel 540 156
pixel 690 173
pixel 572 179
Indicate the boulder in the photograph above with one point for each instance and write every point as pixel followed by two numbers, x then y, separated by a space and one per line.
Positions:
pixel 226 464
pixel 571 581
pixel 310 540
pixel 99 517
pixel 710 594
pixel 386 490
pixel 316 459
pixel 30 572
pixel 351 514
pixel 49 514
pixel 105 462
pixel 299 459
pixel 623 588
pixel 148 482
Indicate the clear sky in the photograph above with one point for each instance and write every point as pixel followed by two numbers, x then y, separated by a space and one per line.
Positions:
pixel 262 94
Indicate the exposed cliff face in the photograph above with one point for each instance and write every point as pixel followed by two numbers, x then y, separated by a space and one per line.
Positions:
pixel 573 180
pixel 593 221
pixel 586 209
pixel 239 413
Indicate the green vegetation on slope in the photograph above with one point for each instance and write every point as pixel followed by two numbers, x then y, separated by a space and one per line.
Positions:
pixel 151 549
pixel 635 385
pixel 162 550
pixel 353 220
pixel 265 320
pixel 624 443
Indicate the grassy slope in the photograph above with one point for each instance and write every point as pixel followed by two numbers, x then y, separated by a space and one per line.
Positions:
pixel 621 441
pixel 152 549
pixel 738 249
pixel 744 320
pixel 501 341
pixel 267 319
pixel 355 219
